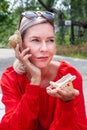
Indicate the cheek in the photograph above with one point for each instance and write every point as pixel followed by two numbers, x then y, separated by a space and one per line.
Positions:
pixel 28 46
pixel 24 45
pixel 33 51
pixel 52 49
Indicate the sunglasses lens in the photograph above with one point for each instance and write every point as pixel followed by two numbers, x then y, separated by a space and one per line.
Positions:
pixel 30 14
pixel 48 15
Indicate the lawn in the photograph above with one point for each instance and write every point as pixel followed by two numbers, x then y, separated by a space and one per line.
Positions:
pixel 77 51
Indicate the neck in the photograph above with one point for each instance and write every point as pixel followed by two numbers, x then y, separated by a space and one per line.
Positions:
pixel 44 72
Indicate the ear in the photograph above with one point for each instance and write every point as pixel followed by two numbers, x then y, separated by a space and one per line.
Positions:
pixel 15 39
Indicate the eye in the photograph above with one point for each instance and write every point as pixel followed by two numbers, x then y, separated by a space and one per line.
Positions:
pixel 35 40
pixel 51 40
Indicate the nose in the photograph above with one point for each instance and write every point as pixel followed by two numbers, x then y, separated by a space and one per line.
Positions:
pixel 43 46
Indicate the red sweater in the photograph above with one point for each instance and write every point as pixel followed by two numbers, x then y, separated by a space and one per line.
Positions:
pixel 29 107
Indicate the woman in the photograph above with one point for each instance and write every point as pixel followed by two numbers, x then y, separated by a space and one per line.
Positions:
pixel 31 101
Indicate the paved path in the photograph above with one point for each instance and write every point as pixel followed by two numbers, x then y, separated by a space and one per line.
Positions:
pixel 7 58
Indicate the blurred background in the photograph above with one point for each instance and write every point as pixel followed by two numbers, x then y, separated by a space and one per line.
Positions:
pixel 70 22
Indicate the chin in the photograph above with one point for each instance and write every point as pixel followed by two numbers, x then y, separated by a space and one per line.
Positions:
pixel 43 65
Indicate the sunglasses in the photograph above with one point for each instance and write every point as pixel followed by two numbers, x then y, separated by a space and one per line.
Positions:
pixel 32 15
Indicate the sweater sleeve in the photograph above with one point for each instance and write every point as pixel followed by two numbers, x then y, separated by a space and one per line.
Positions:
pixel 71 115
pixel 21 110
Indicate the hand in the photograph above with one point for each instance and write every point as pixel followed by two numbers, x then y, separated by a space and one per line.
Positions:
pixel 32 70
pixel 64 93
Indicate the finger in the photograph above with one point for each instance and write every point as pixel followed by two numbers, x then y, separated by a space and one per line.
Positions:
pixel 68 95
pixel 26 58
pixel 58 93
pixel 76 92
pixel 53 93
pixel 53 84
pixel 25 51
pixel 20 49
pixel 17 51
pixel 19 55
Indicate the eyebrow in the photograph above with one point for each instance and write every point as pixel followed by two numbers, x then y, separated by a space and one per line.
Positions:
pixel 51 37
pixel 39 37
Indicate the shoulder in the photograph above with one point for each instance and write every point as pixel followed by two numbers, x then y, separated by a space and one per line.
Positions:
pixel 62 65
pixel 64 68
pixel 10 75
pixel 9 71
pixel 11 81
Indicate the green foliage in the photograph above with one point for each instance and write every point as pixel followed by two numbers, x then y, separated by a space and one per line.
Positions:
pixel 49 3
pixel 79 12
pixel 10 15
pixel 4 6
pixel 9 19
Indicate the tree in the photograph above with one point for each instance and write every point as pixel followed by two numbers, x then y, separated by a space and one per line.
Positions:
pixel 10 15
pixel 79 19
pixel 4 6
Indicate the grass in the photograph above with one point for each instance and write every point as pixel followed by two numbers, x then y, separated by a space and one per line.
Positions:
pixel 76 51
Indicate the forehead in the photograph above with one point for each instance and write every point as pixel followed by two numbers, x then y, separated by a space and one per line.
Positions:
pixel 26 23
pixel 40 28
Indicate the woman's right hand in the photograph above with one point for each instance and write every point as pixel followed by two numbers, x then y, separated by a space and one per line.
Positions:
pixel 32 70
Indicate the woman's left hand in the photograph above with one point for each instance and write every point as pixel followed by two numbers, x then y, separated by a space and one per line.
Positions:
pixel 64 93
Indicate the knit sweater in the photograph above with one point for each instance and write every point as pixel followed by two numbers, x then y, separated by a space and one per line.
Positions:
pixel 29 107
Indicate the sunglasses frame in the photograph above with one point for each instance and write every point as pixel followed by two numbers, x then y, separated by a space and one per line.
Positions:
pixel 35 14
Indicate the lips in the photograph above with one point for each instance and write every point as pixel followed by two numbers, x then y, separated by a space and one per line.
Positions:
pixel 43 58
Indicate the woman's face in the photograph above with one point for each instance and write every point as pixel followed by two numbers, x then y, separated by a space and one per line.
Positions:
pixel 40 39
